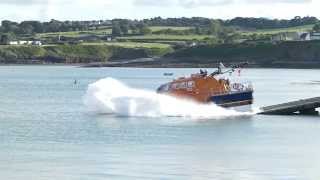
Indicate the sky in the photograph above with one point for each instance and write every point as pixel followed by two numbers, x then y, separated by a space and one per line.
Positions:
pixel 44 10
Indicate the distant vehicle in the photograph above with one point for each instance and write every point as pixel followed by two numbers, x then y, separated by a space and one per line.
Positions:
pixel 205 88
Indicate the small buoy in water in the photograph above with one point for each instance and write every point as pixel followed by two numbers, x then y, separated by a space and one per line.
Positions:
pixel 75 82
pixel 168 74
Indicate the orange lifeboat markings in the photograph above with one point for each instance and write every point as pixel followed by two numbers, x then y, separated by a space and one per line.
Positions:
pixel 198 88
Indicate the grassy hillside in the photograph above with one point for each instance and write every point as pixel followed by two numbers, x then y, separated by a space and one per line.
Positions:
pixel 76 33
pixel 105 31
pixel 305 28
pixel 159 28
pixel 131 44
pixel 155 45
pixel 76 53
pixel 264 54
pixel 163 37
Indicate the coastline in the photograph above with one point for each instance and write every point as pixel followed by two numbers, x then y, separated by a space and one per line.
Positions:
pixel 159 63
pixel 176 63
pixel 290 55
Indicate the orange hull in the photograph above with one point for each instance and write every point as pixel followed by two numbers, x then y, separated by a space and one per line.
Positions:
pixel 206 88
pixel 197 87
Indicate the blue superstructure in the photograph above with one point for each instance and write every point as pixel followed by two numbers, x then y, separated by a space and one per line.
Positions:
pixel 233 99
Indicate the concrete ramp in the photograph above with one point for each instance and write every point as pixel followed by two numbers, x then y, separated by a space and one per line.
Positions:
pixel 303 106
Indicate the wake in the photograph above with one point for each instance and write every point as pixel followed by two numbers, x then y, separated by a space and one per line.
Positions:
pixel 112 96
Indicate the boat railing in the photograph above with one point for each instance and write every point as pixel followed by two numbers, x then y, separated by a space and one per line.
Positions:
pixel 241 86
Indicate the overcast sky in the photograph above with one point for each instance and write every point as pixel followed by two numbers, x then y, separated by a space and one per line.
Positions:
pixel 43 10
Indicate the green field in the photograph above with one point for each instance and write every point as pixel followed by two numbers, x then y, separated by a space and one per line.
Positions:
pixel 166 37
pixel 131 44
pixel 280 30
pixel 105 31
pixel 76 33
pixel 159 28
pixel 161 40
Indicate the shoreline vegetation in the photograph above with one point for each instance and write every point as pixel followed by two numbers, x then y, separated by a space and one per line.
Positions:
pixel 157 42
pixel 280 55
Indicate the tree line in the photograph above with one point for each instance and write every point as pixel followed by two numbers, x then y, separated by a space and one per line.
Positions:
pixel 125 25
pixel 31 27
pixel 128 27
pixel 264 23
pixel 244 22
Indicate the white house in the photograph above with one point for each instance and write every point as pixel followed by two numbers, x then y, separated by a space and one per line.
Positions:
pixel 23 42
pixel 13 43
pixel 37 43
pixel 109 38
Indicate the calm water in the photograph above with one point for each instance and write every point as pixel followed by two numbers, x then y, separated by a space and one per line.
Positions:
pixel 47 133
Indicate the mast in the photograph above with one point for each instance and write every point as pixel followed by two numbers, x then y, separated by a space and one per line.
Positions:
pixel 232 68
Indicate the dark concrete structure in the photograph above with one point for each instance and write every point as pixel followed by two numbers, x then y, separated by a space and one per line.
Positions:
pixel 304 106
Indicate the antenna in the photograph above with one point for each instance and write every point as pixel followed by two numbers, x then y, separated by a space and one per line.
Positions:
pixel 233 67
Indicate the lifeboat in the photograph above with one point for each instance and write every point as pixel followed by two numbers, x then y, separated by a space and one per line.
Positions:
pixel 211 88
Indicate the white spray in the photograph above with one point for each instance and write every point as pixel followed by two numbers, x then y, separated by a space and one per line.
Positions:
pixel 111 96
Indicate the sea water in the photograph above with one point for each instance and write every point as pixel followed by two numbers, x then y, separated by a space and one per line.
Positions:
pixel 59 122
